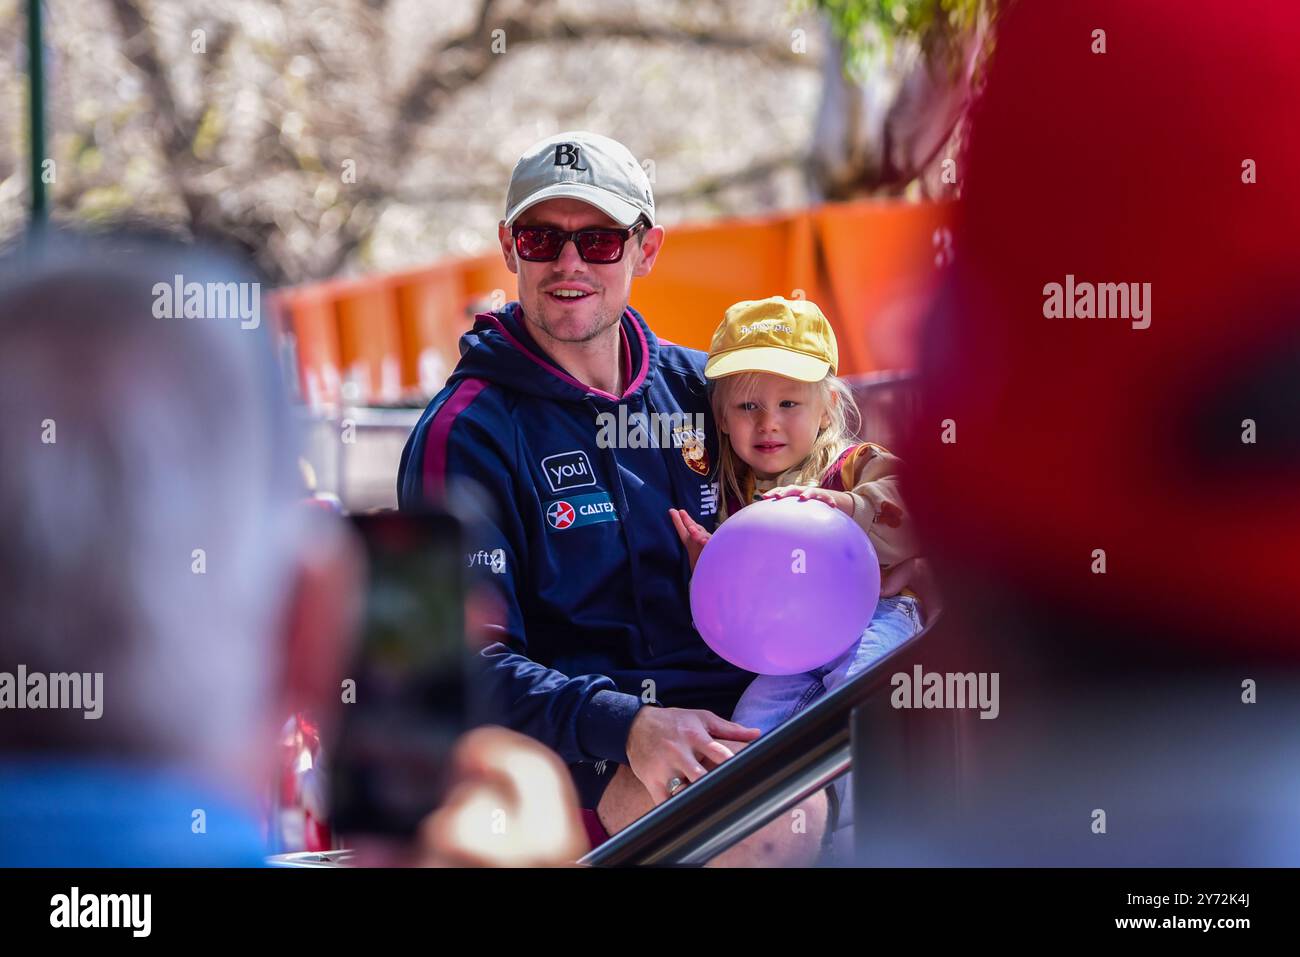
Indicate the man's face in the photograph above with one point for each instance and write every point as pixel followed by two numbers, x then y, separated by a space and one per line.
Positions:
pixel 603 290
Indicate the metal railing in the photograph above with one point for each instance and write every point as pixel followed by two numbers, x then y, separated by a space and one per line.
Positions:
pixel 768 777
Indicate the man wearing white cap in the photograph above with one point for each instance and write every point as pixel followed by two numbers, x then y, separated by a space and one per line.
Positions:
pixel 598 657
pixel 578 181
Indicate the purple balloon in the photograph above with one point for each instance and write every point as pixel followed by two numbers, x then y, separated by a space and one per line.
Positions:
pixel 785 586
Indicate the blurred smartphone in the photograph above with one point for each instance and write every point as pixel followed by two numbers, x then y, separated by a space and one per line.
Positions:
pixel 411 668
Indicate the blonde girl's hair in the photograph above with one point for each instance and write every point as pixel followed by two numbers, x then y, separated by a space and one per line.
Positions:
pixel 845 422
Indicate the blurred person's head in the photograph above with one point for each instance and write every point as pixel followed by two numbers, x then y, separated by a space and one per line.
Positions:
pixel 569 182
pixel 148 527
pixel 1124 458
pixel 1113 542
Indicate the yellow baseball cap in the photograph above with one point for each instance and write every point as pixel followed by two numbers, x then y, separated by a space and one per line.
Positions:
pixel 788 337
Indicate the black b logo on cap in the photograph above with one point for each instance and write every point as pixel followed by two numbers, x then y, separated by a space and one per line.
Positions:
pixel 566 154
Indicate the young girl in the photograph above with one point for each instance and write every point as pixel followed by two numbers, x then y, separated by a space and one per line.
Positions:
pixel 786 426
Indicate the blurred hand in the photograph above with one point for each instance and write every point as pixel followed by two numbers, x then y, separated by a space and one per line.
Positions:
pixel 691 532
pixel 916 574
pixel 511 803
pixel 667 743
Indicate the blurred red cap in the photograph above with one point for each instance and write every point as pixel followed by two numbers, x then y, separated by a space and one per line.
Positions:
pixel 1082 434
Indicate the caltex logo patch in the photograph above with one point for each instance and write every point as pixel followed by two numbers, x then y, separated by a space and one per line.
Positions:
pixel 578 510
pixel 560 515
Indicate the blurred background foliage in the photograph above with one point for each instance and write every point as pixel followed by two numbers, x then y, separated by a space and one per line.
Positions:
pixel 860 25
pixel 335 137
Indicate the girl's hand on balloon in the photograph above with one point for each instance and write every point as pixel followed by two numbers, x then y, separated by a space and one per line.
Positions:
pixel 692 534
pixel 841 500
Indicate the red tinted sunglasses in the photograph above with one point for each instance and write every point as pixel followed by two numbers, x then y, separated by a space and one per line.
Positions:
pixel 543 244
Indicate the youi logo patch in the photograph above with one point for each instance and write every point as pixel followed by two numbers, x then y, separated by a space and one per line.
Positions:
pixel 568 470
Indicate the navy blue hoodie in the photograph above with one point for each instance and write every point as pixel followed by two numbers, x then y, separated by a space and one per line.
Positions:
pixel 594 578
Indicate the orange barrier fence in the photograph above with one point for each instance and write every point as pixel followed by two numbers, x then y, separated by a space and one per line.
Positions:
pixel 870 265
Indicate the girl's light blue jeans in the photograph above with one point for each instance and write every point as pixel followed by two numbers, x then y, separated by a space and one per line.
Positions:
pixel 773 699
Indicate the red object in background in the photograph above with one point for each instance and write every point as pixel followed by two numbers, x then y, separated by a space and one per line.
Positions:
pixel 1073 435
pixel 326 501
pixel 300 815
pixel 370 346
pixel 432 316
pixel 309 314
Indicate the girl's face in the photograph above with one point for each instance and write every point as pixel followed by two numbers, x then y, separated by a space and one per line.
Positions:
pixel 773 421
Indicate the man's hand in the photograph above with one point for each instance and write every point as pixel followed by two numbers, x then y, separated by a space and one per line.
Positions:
pixel 667 743
pixel 841 500
pixel 691 532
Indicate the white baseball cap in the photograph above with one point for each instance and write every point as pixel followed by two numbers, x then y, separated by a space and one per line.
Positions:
pixel 584 166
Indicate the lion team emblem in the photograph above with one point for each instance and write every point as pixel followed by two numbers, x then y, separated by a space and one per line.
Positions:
pixel 695 454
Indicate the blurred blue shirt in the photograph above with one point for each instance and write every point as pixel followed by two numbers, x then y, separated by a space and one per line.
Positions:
pixel 71 813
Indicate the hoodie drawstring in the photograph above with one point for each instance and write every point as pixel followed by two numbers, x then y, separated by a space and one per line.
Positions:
pixel 681 494
pixel 625 514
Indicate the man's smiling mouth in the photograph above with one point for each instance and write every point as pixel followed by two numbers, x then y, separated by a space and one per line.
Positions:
pixel 566 294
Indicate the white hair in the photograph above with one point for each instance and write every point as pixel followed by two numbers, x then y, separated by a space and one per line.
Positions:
pixel 170 436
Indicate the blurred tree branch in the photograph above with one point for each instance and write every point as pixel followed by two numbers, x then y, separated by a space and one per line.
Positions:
pixel 176 131
pixel 757 172
pixel 322 134
pixel 896 93
pixel 467 58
